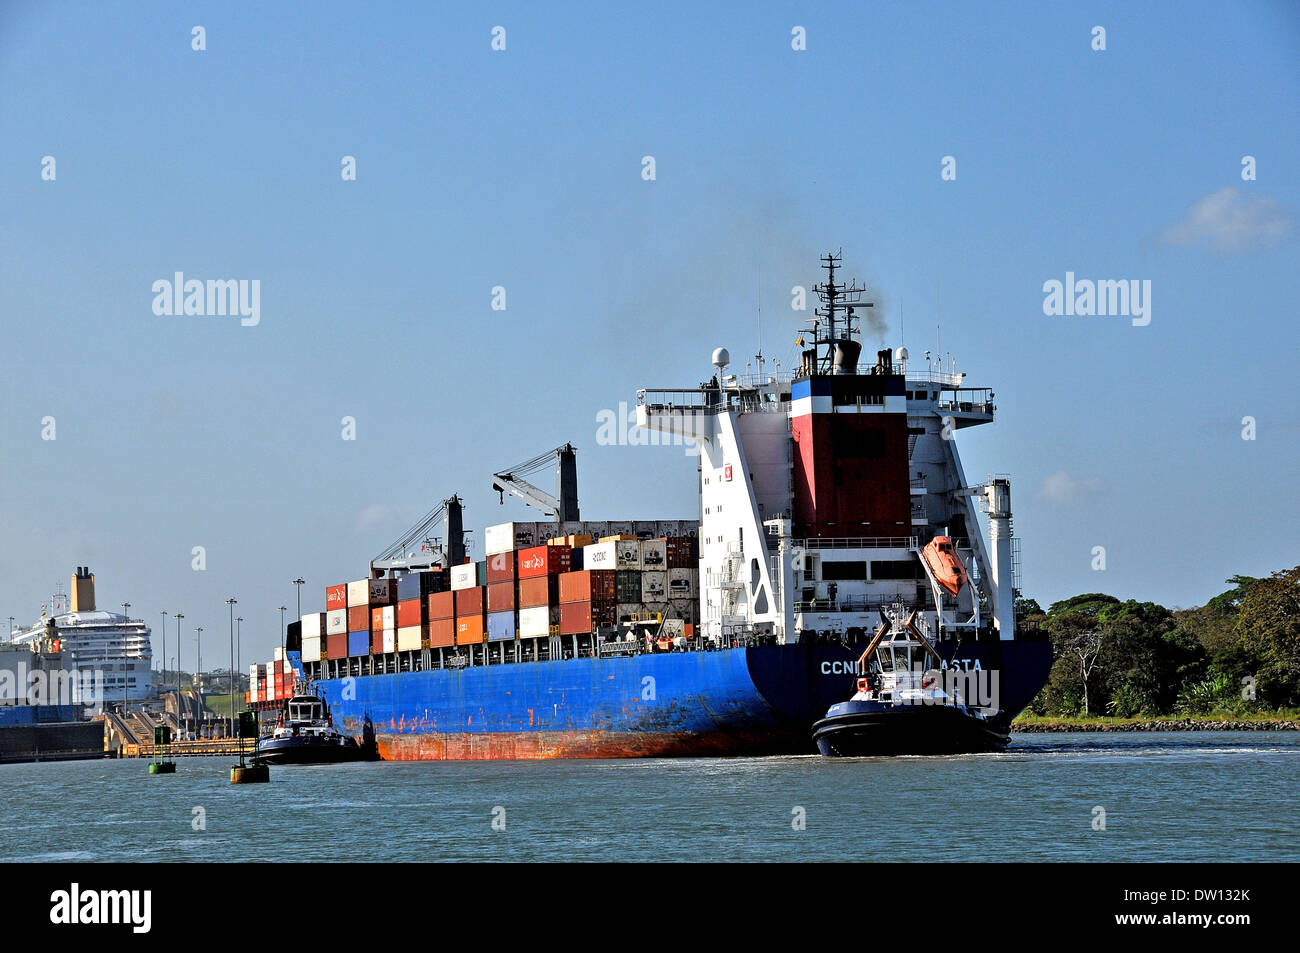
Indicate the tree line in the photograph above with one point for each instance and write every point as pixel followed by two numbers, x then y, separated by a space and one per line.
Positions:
pixel 1237 654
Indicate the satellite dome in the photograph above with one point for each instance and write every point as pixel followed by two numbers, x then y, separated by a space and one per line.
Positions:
pixel 721 357
pixel 900 354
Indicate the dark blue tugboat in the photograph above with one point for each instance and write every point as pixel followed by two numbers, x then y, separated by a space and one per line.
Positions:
pixel 904 707
pixel 305 734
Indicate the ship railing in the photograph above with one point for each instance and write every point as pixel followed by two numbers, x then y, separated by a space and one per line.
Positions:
pixel 659 400
pixel 969 400
pixel 845 604
pixel 857 542
pixel 928 373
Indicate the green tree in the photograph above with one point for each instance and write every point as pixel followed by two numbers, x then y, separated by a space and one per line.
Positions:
pixel 1269 625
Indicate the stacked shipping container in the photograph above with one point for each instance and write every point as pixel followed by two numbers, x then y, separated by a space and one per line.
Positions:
pixel 533 584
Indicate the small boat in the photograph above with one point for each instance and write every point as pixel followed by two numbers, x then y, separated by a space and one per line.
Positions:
pixel 305 734
pixel 941 559
pixel 902 708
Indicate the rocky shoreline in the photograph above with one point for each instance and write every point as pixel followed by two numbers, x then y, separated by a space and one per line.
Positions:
pixel 1187 724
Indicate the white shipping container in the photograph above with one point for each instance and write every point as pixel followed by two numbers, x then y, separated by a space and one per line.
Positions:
pixel 390 641
pixel 389 617
pixel 654 554
pixel 534 622
pixel 463 576
pixel 683 583
pixel 622 554
pixel 311 649
pixel 629 554
pixel 499 538
pixel 599 556
pixel 313 625
pixel 654 586
pixel 336 622
pixel 359 593
pixel 408 639
pixel 279 653
pixel 379 592
pixel 252 672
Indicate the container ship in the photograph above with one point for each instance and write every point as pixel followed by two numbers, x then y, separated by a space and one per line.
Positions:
pixel 729 634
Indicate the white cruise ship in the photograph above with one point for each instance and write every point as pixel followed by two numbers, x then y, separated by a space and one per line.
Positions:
pixel 96 644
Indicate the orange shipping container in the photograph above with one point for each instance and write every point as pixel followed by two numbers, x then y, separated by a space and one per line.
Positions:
pixel 501 596
pixel 376 619
pixel 408 613
pixel 539 591
pixel 544 560
pixel 442 632
pixel 469 601
pixel 359 619
pixel 501 567
pixel 336 597
pixel 442 605
pixel 579 618
pixel 469 629
pixel 588 585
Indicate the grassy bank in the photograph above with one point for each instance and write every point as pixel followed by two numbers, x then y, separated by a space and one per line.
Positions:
pixel 1283 719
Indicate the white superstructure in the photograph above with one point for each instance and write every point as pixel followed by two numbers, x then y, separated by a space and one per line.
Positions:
pixel 97 645
pixel 819 492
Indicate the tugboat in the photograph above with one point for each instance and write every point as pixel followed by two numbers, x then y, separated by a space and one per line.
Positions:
pixel 902 708
pixel 305 734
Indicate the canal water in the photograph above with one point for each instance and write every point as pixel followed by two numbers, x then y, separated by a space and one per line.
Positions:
pixel 1175 796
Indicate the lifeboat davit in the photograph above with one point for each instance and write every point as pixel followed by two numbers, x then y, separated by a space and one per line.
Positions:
pixel 941 559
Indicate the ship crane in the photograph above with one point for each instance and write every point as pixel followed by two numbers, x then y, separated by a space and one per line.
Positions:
pixel 563 507
pixel 445 550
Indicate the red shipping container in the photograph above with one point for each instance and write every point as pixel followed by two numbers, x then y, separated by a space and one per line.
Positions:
pixel 501 567
pixel 469 630
pixel 409 612
pixel 539 591
pixel 501 596
pixel 579 618
pixel 544 561
pixel 336 597
pixel 442 605
pixel 359 619
pixel 376 619
pixel 442 632
pixel 587 585
pixel 469 601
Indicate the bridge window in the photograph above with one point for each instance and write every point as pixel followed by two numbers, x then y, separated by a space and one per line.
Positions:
pixel 844 570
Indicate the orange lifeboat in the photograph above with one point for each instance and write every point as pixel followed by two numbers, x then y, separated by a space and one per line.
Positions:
pixel 941 558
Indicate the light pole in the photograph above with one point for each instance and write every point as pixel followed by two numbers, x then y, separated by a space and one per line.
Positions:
pixel 300 582
pixel 283 610
pixel 239 645
pixel 164 648
pixel 126 662
pixel 180 697
pixel 231 603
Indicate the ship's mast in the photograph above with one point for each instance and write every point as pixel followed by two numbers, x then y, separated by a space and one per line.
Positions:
pixel 836 298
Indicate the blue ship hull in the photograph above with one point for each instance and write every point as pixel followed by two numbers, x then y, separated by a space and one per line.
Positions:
pixel 743 701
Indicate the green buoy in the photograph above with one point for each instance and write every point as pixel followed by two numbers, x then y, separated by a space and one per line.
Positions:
pixel 256 771
pixel 162 736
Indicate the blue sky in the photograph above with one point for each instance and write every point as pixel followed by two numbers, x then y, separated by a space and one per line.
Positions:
pixel 522 169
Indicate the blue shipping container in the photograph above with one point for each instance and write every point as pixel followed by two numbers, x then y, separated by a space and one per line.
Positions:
pixel 412 586
pixel 501 626
pixel 358 643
